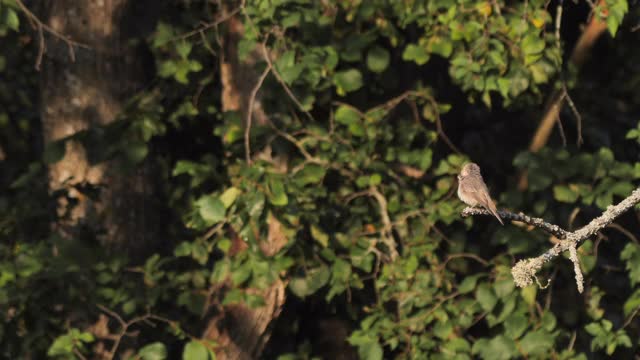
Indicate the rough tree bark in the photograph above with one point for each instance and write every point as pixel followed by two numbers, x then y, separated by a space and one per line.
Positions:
pixel 241 331
pixel 83 89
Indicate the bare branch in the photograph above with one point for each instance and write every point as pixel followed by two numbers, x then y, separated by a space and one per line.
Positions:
pixel 42 27
pixel 524 272
pixel 210 25
pixel 386 233
pixel 561 130
pixel 576 113
pixel 267 58
pixel 573 256
pixel 552 229
pixel 252 99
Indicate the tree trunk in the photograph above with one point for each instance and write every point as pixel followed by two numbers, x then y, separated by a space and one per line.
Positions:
pixel 240 331
pixel 84 89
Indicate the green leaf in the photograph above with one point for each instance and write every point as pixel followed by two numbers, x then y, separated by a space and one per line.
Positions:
pixel 538 342
pixel 378 59
pixel 277 194
pixel 163 34
pixel 372 351
pixel 441 46
pixel 136 152
pixel 631 255
pixel 229 196
pixel 504 287
pixel 167 68
pixel 532 44
pixel 515 325
pixel 183 48
pixel 320 236
pixel 287 67
pixel 153 351
pixel 486 297
pixel 632 303
pixel 347 81
pixel 415 53
pixel 614 18
pixel 468 284
pixel 346 115
pixel 291 20
pixel 375 180
pixel 66 344
pixel 311 174
pixel 183 249
pixel 498 348
pixel 211 209
pixel 312 282
pixel 195 350
pixel 565 194
pixel 11 19
pixel 529 294
pixel 62 345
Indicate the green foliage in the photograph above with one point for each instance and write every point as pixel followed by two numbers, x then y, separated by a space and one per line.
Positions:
pixel 66 345
pixel 9 20
pixel 155 351
pixel 605 338
pixel 196 350
pixel 350 176
pixel 593 178
pixel 612 12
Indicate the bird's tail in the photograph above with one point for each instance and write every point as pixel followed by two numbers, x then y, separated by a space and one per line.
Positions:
pixel 494 211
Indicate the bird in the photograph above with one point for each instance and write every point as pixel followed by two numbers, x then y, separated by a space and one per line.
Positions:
pixel 473 191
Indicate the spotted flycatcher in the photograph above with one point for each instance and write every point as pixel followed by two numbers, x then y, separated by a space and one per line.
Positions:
pixel 473 191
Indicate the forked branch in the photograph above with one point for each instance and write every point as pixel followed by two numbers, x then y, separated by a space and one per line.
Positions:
pixel 524 272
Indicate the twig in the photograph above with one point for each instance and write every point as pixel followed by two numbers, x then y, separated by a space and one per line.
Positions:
pixel 77 353
pixel 631 317
pixel 573 255
pixel 267 58
pixel 44 27
pixel 524 272
pixel 575 112
pixel 386 233
pixel 214 230
pixel 558 23
pixel 572 217
pixel 41 48
pixel 561 130
pixel 208 25
pixel 124 326
pixel 626 232
pixel 308 157
pixel 433 309
pixel 252 99
pixel 552 229
pixel 464 255
pixel 440 129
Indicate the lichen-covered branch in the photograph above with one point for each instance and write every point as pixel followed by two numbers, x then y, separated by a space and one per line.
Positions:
pixel 524 272
pixel 552 229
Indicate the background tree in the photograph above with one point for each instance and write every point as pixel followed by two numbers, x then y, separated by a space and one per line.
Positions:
pixel 276 179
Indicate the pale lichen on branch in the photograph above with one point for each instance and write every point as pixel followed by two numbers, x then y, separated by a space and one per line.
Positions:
pixel 524 271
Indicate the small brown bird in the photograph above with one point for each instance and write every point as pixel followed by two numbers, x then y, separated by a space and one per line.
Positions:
pixel 473 191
